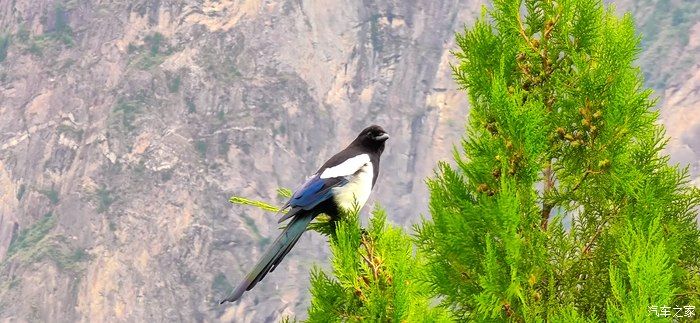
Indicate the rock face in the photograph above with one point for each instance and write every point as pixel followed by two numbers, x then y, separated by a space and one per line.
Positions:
pixel 125 127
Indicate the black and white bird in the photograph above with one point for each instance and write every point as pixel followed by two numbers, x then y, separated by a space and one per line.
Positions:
pixel 343 182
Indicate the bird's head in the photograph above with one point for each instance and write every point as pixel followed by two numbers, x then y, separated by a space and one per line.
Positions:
pixel 372 138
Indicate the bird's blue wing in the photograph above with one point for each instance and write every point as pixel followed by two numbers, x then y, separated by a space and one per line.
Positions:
pixel 314 191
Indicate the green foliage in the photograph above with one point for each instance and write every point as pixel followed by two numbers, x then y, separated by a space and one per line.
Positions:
pixel 220 65
pixel 37 45
pixel 23 33
pixel 20 192
pixel 174 84
pixel 62 31
pixel 375 33
pixel 153 52
pixel 258 204
pixel 645 260
pixel 224 145
pixel 57 250
pixel 51 194
pixel 71 131
pixel 191 107
pixel 36 243
pixel 166 175
pixel 377 277
pixel 561 130
pixel 154 42
pixel 126 111
pixel 220 284
pixel 105 198
pixel 131 48
pixel 4 45
pixel 139 168
pixel 284 192
pixel 60 34
pixel 148 61
pixel 250 223
pixel 201 147
pixel 31 236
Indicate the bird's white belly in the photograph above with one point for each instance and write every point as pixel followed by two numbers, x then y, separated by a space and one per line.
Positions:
pixel 356 192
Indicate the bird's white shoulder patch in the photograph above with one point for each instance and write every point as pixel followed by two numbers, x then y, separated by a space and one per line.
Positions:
pixel 348 167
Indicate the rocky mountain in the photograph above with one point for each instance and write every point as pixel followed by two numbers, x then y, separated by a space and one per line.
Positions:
pixel 125 126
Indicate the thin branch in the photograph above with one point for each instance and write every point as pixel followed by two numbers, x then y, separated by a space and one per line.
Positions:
pixel 587 247
pixel 583 178
pixel 369 259
pixel 259 204
pixel 548 186
pixel 580 181
pixel 521 29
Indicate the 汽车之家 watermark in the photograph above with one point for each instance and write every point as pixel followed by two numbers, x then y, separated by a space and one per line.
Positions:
pixel 672 311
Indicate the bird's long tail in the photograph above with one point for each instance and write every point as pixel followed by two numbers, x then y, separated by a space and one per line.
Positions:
pixel 274 255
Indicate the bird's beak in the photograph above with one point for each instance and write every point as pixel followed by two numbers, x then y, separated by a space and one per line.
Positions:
pixel 382 137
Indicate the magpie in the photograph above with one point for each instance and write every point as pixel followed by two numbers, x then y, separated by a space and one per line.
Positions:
pixel 343 182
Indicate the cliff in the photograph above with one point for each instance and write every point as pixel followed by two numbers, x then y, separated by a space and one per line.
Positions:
pixel 125 126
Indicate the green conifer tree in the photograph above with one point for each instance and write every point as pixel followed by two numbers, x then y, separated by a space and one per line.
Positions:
pixel 376 277
pixel 561 205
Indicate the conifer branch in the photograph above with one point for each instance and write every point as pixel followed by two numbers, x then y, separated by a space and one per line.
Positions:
pixel 583 178
pixel 258 204
pixel 521 29
pixel 599 230
pixel 587 248
pixel 372 262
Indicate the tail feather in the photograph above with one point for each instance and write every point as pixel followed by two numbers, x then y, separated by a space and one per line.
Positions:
pixel 283 254
pixel 294 211
pixel 274 255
